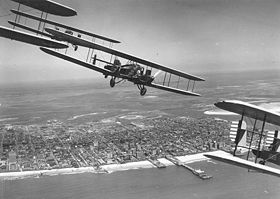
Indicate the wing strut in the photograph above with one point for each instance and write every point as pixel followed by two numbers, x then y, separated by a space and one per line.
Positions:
pixel 236 142
pixel 164 78
pixel 169 79
pixel 178 82
pixel 39 26
pixel 253 133
pixel 193 86
pixel 44 23
pixel 17 16
pixel 92 50
pixel 188 84
pixel 259 145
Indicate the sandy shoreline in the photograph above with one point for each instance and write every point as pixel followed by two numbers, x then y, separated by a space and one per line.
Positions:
pixel 104 168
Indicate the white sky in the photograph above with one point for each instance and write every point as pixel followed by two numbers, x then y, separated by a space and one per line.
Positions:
pixel 194 36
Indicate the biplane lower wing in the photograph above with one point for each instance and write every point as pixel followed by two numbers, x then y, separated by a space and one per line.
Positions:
pixel 76 61
pixel 230 159
pixel 29 38
pixel 48 6
pixel 249 110
pixel 175 90
pixel 82 42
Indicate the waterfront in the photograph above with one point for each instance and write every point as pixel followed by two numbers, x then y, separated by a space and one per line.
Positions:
pixel 76 104
pixel 171 182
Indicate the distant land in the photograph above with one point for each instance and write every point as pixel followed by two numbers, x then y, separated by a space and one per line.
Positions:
pixel 29 102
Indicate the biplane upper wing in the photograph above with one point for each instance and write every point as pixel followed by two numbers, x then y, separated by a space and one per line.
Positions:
pixel 49 6
pixel 230 159
pixel 29 38
pixel 250 110
pixel 82 42
pixel 64 26
pixel 147 63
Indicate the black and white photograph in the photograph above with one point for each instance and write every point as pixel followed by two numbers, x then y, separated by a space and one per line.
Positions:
pixel 139 99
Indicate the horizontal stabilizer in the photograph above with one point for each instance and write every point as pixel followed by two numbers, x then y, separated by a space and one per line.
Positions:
pixel 29 38
pixel 48 6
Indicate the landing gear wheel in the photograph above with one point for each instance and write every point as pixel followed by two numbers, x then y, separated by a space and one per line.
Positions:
pixel 112 82
pixel 143 91
pixel 262 162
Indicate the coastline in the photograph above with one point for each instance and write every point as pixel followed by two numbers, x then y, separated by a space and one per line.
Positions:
pixel 103 169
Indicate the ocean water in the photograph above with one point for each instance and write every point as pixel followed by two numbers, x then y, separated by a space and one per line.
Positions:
pixel 169 183
pixel 94 100
pixel 81 101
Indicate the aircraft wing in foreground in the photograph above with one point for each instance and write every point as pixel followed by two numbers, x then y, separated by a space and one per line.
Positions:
pixel 230 159
pixel 258 137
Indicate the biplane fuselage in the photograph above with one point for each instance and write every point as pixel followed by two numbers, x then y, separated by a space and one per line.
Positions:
pixel 131 72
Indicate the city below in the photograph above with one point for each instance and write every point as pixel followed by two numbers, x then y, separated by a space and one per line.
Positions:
pixel 116 140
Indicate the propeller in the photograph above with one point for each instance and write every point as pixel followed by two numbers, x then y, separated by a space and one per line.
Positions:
pixel 157 73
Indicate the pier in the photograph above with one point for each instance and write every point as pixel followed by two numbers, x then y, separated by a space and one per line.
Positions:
pixel 157 163
pixel 199 173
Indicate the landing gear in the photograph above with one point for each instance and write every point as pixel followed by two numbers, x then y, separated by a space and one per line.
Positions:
pixel 75 47
pixel 112 82
pixel 262 162
pixel 142 89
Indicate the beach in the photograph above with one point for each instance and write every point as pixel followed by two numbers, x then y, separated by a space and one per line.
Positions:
pixel 102 169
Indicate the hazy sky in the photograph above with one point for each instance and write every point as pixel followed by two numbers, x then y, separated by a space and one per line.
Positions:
pixel 191 35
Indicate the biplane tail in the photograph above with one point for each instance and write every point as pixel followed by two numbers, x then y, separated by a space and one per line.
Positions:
pixel 238 135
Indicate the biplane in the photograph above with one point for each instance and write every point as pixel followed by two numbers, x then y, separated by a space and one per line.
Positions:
pixel 52 36
pixel 257 144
